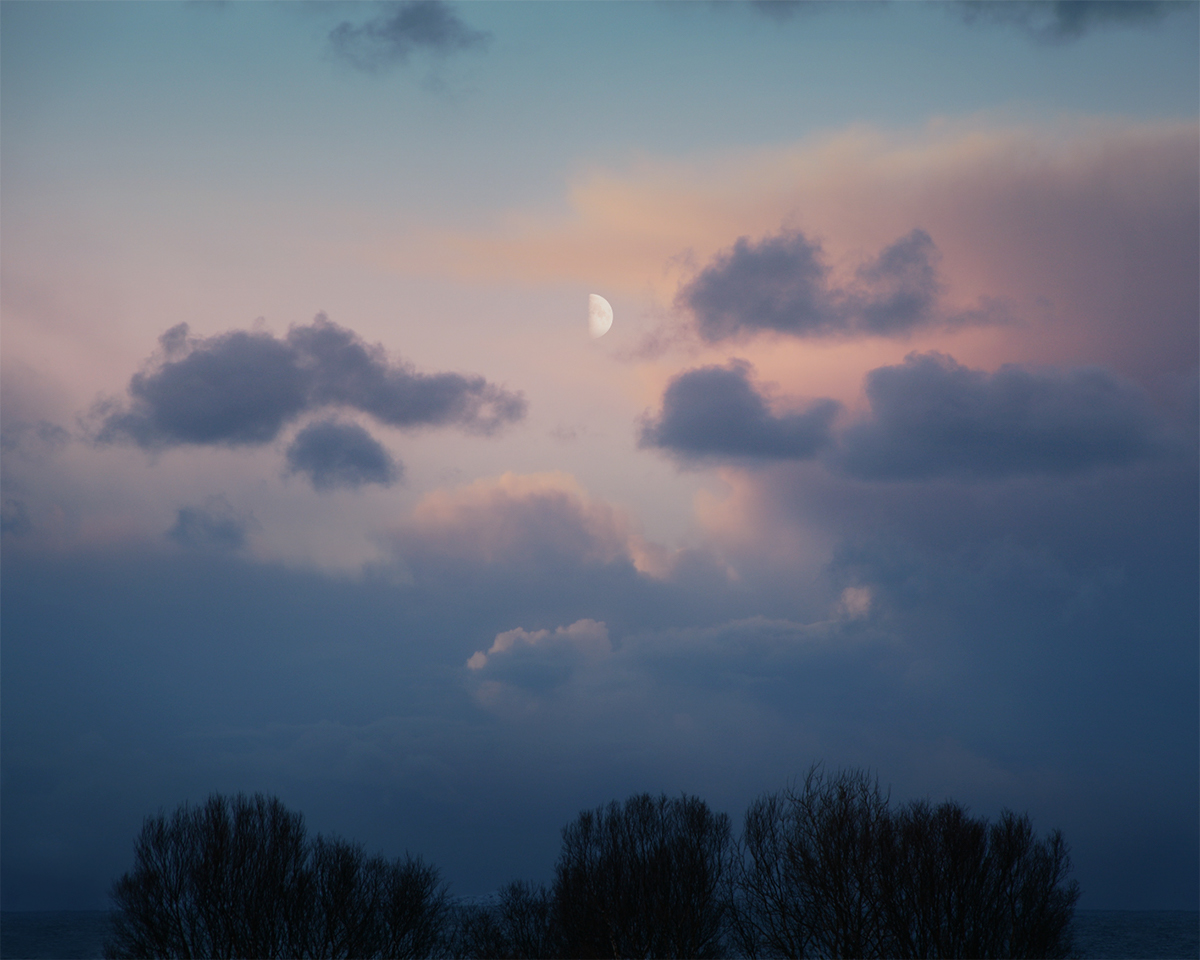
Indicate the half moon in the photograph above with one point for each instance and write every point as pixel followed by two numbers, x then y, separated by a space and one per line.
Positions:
pixel 599 315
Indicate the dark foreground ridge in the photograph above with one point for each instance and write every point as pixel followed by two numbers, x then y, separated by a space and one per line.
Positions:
pixel 825 868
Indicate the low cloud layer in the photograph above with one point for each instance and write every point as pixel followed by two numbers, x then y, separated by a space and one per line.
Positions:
pixel 929 417
pixel 241 389
pixel 716 411
pixel 409 27
pixel 334 454
pixel 782 284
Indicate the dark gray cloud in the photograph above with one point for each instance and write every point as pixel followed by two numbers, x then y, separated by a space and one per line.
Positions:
pixel 241 389
pixel 408 27
pixel 716 412
pixel 344 370
pixel 236 389
pixel 335 454
pixel 900 287
pixel 216 525
pixel 1064 20
pixel 782 284
pixel 932 417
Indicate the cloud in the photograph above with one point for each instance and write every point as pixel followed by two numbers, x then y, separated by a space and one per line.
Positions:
pixel 240 389
pixel 1064 20
pixel 715 411
pixel 541 658
pixel 14 517
pixel 32 437
pixel 335 454
pixel 544 521
pixel 236 389
pixel 782 284
pixel 1082 222
pixel 392 38
pixel 929 417
pixel 216 525
pixel 900 287
pixel 932 417
pixel 347 371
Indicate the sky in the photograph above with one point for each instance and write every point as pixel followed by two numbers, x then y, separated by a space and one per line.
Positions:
pixel 316 484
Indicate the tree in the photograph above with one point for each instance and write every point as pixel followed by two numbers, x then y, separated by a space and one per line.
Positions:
pixel 237 877
pixel 523 926
pixel 831 870
pixel 643 879
pixel 808 883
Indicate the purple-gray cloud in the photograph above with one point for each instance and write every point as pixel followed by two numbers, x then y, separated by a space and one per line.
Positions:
pixel 932 417
pixel 716 412
pixel 782 284
pixel 333 454
pixel 241 389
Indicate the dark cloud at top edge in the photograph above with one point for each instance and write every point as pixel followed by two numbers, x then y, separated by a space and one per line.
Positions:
pixel 1063 20
pixel 782 284
pixel 241 389
pixel 408 27
pixel 1043 21
pixel 716 412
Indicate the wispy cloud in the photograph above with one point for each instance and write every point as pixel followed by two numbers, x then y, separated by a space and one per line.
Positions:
pixel 215 525
pixel 1062 21
pixel 409 27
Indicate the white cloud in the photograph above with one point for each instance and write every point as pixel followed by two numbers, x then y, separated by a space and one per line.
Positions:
pixel 586 637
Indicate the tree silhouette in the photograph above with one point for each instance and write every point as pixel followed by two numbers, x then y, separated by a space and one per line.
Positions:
pixel 237 877
pixel 523 926
pixel 643 879
pixel 830 870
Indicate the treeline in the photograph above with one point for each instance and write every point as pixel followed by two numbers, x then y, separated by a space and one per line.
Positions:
pixel 825 868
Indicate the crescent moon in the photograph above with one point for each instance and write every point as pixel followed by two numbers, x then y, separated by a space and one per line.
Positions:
pixel 600 315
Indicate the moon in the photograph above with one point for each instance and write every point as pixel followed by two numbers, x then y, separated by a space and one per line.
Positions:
pixel 599 315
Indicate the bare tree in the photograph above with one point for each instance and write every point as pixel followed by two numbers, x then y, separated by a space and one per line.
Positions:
pixel 809 881
pixel 523 926
pixel 644 879
pixel 830 870
pixel 237 877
